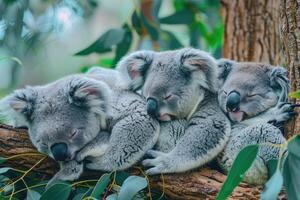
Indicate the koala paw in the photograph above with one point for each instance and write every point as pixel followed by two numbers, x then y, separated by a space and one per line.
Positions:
pixel 159 162
pixel 283 112
pixel 69 171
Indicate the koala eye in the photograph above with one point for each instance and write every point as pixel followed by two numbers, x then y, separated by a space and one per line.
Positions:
pixel 224 92
pixel 74 133
pixel 168 97
pixel 252 95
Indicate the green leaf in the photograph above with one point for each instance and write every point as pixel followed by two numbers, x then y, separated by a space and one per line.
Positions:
pixel 59 191
pixel 121 176
pixel 294 146
pixel 112 197
pixel 106 62
pixel 150 27
pixel 183 16
pixel 2 160
pixel 124 45
pixel 295 94
pixel 105 42
pixel 101 185
pixel 272 167
pixel 32 195
pixel 131 186
pixel 169 41
pixel 156 4
pixel 4 170
pixel 12 58
pixel 136 22
pixel 291 175
pixel 240 165
pixel 273 187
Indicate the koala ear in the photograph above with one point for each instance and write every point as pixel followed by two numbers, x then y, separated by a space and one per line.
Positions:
pixel 18 107
pixel 280 82
pixel 202 66
pixel 134 67
pixel 224 67
pixel 90 93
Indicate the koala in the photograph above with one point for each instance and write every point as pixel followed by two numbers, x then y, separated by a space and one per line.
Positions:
pixel 254 97
pixel 180 87
pixel 80 118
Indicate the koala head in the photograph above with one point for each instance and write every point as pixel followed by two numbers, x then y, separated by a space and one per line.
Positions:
pixel 173 82
pixel 249 89
pixel 61 117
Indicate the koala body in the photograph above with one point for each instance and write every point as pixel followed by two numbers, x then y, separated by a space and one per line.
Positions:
pixel 254 96
pixel 79 117
pixel 180 88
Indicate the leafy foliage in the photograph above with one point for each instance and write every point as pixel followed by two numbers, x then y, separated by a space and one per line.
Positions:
pixel 205 32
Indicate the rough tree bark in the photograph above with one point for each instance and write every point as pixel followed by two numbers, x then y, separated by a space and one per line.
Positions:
pixel 290 37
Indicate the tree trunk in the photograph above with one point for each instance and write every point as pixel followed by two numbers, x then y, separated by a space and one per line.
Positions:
pixel 290 37
pixel 258 30
pixel 201 183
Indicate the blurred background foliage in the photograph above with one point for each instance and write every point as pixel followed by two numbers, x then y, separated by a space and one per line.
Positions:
pixel 53 38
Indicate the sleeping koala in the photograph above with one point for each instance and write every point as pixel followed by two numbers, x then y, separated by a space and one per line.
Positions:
pixel 80 117
pixel 180 88
pixel 253 95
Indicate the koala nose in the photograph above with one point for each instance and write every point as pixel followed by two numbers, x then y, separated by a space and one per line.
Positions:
pixel 152 107
pixel 60 151
pixel 233 101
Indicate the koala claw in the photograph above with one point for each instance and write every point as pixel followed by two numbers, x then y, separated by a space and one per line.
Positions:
pixel 158 163
pixel 283 112
pixel 153 153
pixel 155 170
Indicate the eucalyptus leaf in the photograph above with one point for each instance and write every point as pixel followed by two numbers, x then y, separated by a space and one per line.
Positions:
pixel 273 187
pixel 150 27
pixel 183 16
pixel 105 42
pixel 112 197
pixel 102 183
pixel 295 94
pixel 4 170
pixel 291 175
pixel 124 45
pixel 2 160
pixel 136 22
pixel 59 191
pixel 156 4
pixel 294 146
pixel 241 164
pixel 32 195
pixel 131 186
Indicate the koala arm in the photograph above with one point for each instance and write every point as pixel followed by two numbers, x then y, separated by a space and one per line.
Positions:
pixel 130 138
pixel 204 138
pixel 265 134
pixel 170 133
pixel 69 171
pixel 282 112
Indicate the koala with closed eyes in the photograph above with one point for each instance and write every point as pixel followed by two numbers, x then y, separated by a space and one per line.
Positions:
pixel 254 96
pixel 84 117
pixel 180 87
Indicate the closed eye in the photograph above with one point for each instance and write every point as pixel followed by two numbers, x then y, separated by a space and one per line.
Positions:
pixel 253 95
pixel 168 97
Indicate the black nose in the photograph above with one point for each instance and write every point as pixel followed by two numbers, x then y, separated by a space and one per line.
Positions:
pixel 60 151
pixel 152 107
pixel 233 101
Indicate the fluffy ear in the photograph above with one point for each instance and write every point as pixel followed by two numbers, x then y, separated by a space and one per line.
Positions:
pixel 224 67
pixel 280 82
pixel 134 67
pixel 203 67
pixel 90 93
pixel 18 107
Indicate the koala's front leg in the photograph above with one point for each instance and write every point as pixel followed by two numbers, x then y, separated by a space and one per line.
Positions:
pixel 170 133
pixel 281 113
pixel 96 148
pixel 265 134
pixel 69 171
pixel 203 140
pixel 130 138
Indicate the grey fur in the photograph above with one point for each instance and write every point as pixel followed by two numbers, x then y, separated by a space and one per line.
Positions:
pixel 194 130
pixel 263 90
pixel 113 130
